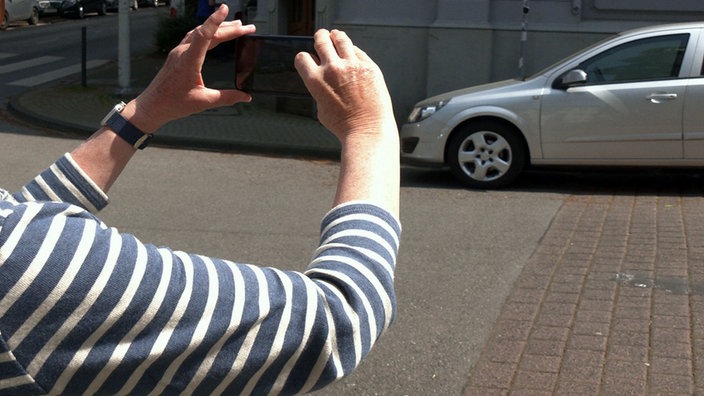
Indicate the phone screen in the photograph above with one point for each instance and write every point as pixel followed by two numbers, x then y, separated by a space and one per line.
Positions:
pixel 264 64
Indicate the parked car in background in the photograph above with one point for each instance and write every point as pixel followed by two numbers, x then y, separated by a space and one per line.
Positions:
pixel 47 7
pixel 20 10
pixel 634 99
pixel 79 8
pixel 114 5
pixel 149 3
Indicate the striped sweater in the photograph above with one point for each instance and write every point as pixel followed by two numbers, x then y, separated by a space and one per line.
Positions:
pixel 85 309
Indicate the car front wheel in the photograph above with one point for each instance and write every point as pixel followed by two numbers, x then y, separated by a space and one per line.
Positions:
pixel 5 23
pixel 34 18
pixel 486 155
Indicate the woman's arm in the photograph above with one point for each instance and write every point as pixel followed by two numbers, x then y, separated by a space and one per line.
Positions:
pixel 354 104
pixel 176 91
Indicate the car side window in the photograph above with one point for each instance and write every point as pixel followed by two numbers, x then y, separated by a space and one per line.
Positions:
pixel 645 59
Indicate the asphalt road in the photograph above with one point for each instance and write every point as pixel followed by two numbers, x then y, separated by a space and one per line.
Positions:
pixel 461 249
pixel 52 50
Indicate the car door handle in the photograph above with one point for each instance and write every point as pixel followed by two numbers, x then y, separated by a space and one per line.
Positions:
pixel 661 97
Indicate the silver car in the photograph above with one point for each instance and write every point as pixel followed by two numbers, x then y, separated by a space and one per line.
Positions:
pixel 635 99
pixel 20 10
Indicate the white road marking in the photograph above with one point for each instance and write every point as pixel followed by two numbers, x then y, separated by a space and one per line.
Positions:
pixel 56 74
pixel 28 63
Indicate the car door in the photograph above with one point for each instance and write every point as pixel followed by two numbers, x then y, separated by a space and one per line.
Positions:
pixel 693 123
pixel 629 108
pixel 19 9
pixel 92 5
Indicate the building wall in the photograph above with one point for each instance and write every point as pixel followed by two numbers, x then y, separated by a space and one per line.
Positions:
pixel 426 47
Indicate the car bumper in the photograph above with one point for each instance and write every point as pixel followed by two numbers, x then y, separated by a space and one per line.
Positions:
pixel 48 8
pixel 421 143
pixel 68 10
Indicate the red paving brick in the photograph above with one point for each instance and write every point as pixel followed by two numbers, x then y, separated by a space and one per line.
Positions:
pixel 610 303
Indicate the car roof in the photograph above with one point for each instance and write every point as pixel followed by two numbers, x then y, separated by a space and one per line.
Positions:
pixel 668 26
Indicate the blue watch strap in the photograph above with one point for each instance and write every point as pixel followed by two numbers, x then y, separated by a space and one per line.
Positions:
pixel 124 129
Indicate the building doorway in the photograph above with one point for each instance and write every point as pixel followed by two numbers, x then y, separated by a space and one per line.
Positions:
pixel 300 17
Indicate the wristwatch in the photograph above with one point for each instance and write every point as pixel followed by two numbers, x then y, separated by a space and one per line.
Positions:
pixel 125 129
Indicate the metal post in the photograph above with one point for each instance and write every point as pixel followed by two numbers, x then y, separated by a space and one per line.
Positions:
pixel 524 39
pixel 123 46
pixel 2 11
pixel 84 52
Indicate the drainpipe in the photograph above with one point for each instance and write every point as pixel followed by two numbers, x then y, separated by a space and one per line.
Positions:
pixel 576 7
pixel 524 39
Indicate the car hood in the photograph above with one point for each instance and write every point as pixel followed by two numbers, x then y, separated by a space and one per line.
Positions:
pixel 498 88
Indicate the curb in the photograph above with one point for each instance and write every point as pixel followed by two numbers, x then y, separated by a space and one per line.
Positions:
pixel 255 131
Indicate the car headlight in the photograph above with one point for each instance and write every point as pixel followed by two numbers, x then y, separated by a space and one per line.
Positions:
pixel 420 113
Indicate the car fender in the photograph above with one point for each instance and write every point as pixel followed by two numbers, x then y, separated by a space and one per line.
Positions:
pixel 527 128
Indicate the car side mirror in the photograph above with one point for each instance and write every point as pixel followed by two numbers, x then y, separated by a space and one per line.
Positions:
pixel 574 77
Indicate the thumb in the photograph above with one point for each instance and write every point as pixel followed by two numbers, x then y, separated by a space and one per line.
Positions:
pixel 226 97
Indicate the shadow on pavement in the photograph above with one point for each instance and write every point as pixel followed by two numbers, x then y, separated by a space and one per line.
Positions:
pixel 589 181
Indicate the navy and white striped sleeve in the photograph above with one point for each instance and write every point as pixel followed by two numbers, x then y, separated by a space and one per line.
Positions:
pixel 86 309
pixel 64 181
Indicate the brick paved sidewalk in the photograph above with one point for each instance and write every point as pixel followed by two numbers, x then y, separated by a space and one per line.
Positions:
pixel 610 303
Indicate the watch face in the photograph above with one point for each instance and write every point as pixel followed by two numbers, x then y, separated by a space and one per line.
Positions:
pixel 117 109
pixel 107 117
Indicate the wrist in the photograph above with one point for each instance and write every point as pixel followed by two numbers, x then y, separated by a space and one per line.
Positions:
pixel 373 134
pixel 121 126
pixel 139 118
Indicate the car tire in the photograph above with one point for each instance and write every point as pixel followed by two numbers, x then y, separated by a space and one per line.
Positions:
pixel 80 13
pixel 103 8
pixel 486 154
pixel 34 18
pixel 155 3
pixel 135 4
pixel 5 23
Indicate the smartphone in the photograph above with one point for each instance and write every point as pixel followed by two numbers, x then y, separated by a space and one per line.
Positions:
pixel 264 64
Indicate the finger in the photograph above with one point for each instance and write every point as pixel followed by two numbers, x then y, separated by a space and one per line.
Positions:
pixel 226 97
pixel 304 64
pixel 212 24
pixel 324 46
pixel 362 55
pixel 307 66
pixel 343 44
pixel 228 29
pixel 231 31
pixel 201 36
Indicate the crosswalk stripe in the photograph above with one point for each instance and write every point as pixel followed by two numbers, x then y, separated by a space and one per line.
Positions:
pixel 56 74
pixel 28 63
